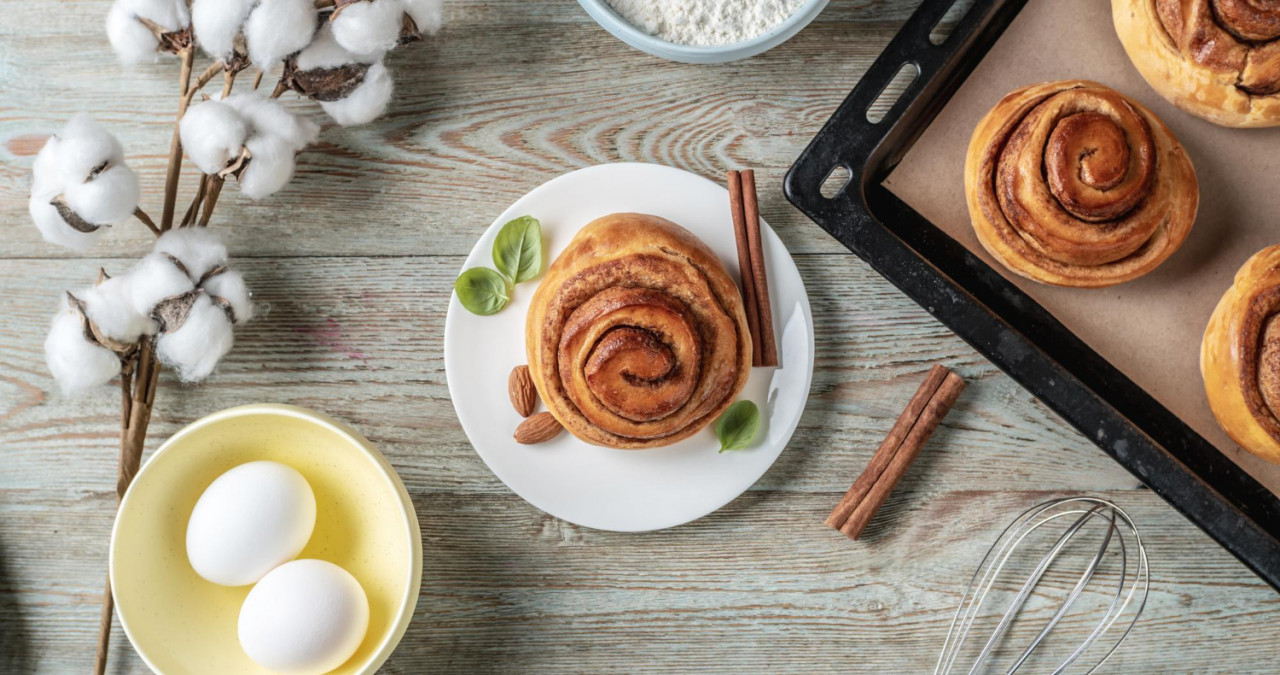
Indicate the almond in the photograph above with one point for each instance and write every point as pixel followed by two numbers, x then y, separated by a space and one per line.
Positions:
pixel 538 429
pixel 523 394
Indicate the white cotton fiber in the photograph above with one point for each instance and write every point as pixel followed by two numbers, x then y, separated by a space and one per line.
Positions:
pixel 76 363
pixel 278 28
pixel 270 166
pixel 230 286
pixel 82 146
pixel 213 134
pixel 195 348
pixel 267 116
pixel 133 41
pixel 55 230
pixel 44 170
pixel 197 248
pixel 153 279
pixel 62 167
pixel 366 103
pixel 171 15
pixel 216 23
pixel 109 198
pixel 325 52
pixel 427 14
pixel 369 26
pixel 109 306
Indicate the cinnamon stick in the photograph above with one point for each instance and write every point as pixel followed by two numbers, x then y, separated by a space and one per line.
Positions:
pixel 751 208
pixel 736 209
pixel 888 448
pixel 930 404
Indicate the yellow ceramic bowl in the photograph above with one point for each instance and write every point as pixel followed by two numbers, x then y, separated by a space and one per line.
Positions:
pixel 365 523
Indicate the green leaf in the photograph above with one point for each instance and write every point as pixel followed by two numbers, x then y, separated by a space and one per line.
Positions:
pixel 738 426
pixel 517 250
pixel 482 291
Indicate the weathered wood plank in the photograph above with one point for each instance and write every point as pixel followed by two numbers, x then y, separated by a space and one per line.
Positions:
pixel 508 589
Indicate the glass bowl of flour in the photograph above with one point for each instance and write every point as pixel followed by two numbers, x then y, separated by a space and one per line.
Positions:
pixel 703 31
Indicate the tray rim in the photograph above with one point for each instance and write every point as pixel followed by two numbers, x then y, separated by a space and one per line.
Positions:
pixel 1004 324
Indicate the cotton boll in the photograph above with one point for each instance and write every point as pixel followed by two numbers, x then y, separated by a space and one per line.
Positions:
pixel 155 278
pixel 109 198
pixel 369 25
pixel 76 363
pixel 230 287
pixel 325 52
pixel 426 14
pixel 194 348
pixel 366 103
pixel 268 116
pixel 62 167
pixel 82 146
pixel 132 41
pixel 55 230
pixel 278 28
pixel 197 248
pixel 216 23
pixel 269 169
pixel 213 134
pixel 109 305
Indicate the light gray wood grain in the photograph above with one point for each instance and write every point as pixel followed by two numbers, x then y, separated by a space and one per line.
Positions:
pixel 354 262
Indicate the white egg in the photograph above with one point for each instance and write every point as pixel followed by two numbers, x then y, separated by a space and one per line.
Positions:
pixel 304 618
pixel 250 520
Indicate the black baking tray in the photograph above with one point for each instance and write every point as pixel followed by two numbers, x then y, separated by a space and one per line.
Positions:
pixel 990 313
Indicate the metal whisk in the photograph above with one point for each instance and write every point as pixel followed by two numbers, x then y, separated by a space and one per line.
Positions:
pixel 1114 580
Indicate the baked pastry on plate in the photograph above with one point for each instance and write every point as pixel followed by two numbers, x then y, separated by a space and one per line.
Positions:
pixel 1216 59
pixel 1075 184
pixel 637 336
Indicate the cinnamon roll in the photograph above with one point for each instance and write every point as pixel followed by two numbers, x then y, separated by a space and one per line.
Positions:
pixel 637 336
pixel 1074 184
pixel 1240 357
pixel 1216 59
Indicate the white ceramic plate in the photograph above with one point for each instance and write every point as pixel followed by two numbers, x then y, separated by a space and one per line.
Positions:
pixel 603 488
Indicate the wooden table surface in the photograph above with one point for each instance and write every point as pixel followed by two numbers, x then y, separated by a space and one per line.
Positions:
pixel 354 262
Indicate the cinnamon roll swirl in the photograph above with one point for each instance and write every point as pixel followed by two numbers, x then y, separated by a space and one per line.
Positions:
pixel 637 336
pixel 1074 184
pixel 1216 59
pixel 1240 357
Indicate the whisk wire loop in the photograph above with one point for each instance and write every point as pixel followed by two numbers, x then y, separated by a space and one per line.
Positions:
pixel 1118 527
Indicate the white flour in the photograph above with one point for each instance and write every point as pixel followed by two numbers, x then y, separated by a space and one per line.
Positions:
pixel 705 22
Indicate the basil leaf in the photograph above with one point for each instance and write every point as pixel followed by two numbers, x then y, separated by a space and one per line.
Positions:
pixel 482 291
pixel 738 426
pixel 517 250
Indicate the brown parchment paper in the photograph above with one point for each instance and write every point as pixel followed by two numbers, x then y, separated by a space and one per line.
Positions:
pixel 1149 328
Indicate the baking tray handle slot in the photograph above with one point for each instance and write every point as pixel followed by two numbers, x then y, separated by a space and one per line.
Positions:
pixel 937 77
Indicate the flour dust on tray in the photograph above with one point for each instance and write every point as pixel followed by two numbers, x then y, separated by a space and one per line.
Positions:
pixel 705 22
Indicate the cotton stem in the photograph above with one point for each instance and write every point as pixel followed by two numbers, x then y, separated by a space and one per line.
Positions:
pixel 194 209
pixel 202 80
pixel 138 379
pixel 146 220
pixel 215 189
pixel 175 143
